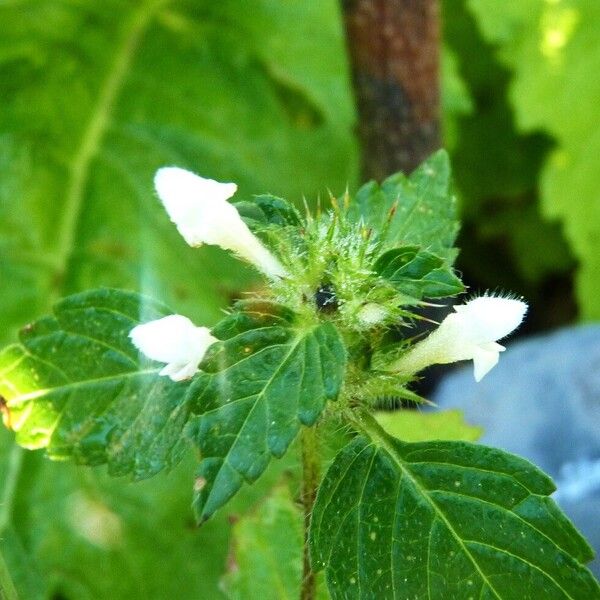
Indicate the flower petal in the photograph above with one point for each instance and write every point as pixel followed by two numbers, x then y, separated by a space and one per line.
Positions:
pixel 490 318
pixel 179 372
pixel 174 340
pixel 200 210
pixel 196 205
pixel 483 362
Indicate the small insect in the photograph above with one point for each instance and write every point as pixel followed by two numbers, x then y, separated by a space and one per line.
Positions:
pixel 325 298
pixel 4 410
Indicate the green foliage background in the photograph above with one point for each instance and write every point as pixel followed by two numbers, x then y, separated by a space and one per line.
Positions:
pixel 96 95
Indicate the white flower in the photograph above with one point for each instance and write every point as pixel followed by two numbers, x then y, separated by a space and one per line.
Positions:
pixel 470 333
pixel 200 210
pixel 174 340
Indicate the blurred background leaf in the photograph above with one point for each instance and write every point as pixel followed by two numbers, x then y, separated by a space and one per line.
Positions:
pixel 506 241
pixel 96 96
pixel 415 426
pixel 265 560
pixel 552 47
pixel 75 532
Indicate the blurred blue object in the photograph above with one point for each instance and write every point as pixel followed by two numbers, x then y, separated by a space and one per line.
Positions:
pixel 542 402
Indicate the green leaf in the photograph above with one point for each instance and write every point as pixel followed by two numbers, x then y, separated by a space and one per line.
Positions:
pixel 265 557
pixel 267 377
pixel 456 100
pixel 419 426
pixel 507 242
pixel 425 207
pixel 552 49
pixel 443 520
pixel 7 587
pixel 76 387
pixel 268 210
pixel 90 112
pixel 77 533
pixel 418 273
pixel 266 553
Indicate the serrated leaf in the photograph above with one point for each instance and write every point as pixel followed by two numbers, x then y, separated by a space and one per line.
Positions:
pixel 443 520
pixel 420 426
pixel 425 215
pixel 418 273
pixel 77 387
pixel 267 377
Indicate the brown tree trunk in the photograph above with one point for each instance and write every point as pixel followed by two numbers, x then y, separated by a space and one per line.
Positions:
pixel 394 52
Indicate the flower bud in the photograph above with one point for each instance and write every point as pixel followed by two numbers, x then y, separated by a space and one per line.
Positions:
pixel 469 333
pixel 174 340
pixel 200 210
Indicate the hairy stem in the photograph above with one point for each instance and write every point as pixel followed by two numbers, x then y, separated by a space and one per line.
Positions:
pixel 310 483
pixel 365 423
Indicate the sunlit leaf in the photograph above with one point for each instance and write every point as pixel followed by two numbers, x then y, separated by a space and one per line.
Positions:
pixel 419 426
pixel 98 95
pixel 551 47
pixel 77 387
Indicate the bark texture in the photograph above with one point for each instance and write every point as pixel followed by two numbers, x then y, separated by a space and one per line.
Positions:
pixel 394 54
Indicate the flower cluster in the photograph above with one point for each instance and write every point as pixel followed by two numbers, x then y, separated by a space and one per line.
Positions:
pixel 200 209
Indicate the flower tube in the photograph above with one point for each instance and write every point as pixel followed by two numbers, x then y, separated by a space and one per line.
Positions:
pixel 469 333
pixel 202 214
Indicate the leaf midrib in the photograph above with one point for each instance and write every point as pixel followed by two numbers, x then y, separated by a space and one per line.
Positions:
pixel 372 429
pixel 294 343
pixel 94 131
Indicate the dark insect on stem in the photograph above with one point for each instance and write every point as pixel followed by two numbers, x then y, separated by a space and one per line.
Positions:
pixel 325 298
pixel 5 412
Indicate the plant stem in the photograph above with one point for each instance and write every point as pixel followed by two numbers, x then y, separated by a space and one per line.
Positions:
pixel 310 483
